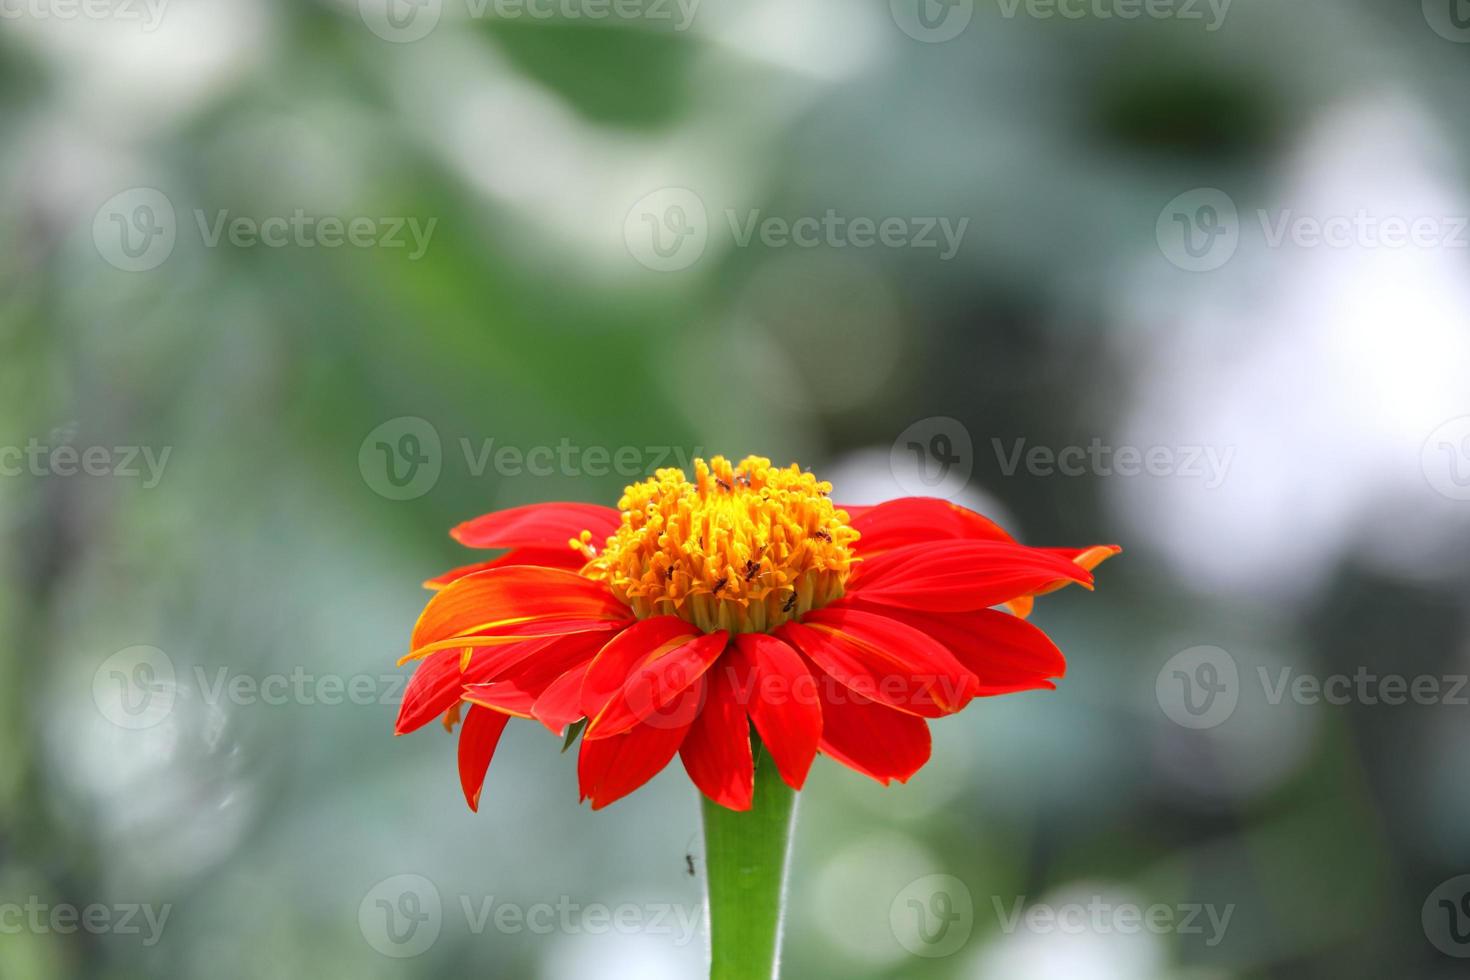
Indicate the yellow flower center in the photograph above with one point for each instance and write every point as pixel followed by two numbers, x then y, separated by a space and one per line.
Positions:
pixel 742 548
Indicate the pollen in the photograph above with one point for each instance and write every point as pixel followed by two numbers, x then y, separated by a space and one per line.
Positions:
pixel 743 547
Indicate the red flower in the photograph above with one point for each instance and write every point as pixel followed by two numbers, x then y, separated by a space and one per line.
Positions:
pixel 743 597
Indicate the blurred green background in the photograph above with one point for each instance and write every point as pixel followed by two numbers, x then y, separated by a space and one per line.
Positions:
pixel 288 289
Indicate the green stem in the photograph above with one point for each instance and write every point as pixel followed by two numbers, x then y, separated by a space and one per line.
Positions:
pixel 745 860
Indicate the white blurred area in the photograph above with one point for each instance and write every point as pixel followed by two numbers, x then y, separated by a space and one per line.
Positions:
pixel 1325 368
pixel 622 956
pixel 167 802
pixel 1073 954
pixel 133 74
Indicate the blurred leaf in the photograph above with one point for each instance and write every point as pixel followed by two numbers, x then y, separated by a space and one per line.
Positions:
pixel 628 77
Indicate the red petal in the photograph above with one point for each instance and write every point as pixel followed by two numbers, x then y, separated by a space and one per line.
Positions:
pixel 515 600
pixel 501 697
pixel 912 520
pixel 433 689
pixel 656 682
pixel 1006 654
pixel 1084 558
pixel 520 688
pixel 781 697
pixel 538 526
pixel 561 703
pixel 610 768
pixel 624 653
pixel 958 576
pixel 478 737
pixel 554 659
pixel 883 660
pixel 716 752
pixel 441 677
pixel 871 739
pixel 562 557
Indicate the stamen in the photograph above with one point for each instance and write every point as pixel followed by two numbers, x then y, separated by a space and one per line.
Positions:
pixel 583 544
pixel 742 547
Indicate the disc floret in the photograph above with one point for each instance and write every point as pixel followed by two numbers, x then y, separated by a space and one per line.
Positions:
pixel 742 547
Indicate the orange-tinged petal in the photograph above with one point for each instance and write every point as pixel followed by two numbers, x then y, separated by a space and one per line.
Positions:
pixel 957 576
pixel 563 557
pixel 499 696
pixel 1021 606
pixel 1086 558
pixel 513 635
pixel 512 600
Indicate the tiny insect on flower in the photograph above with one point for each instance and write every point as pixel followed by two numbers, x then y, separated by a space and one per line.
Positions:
pixel 697 609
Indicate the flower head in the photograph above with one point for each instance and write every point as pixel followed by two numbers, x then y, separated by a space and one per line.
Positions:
pixel 744 597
